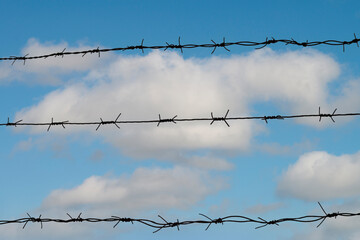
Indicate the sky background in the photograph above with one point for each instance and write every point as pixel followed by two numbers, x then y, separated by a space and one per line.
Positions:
pixel 275 170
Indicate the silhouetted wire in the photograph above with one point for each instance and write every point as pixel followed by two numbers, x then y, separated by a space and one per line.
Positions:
pixel 159 225
pixel 174 120
pixel 214 45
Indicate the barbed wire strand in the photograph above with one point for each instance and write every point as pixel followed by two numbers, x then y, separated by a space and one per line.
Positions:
pixel 174 120
pixel 214 45
pixel 261 222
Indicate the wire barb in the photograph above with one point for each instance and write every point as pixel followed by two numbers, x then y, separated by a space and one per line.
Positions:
pixel 172 46
pixel 215 221
pixel 109 122
pixel 327 215
pixel 78 219
pixel 32 219
pixel 97 50
pixel 167 224
pixel 356 40
pixel 223 45
pixel 267 42
pixel 24 58
pixel 327 115
pixel 142 46
pixel 12 123
pixel 265 118
pixel 119 219
pixel 265 223
pixel 220 118
pixel 166 120
pixel 60 53
pixel 56 123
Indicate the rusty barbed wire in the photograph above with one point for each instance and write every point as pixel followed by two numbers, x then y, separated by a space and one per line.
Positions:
pixel 214 45
pixel 175 120
pixel 261 222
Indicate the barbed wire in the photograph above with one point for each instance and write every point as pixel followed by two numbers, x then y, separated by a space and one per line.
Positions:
pixel 261 222
pixel 175 120
pixel 214 45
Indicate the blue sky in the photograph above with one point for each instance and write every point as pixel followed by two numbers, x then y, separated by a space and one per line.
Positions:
pixel 274 170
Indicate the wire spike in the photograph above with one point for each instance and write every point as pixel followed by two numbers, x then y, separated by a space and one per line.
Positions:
pixel 215 45
pixel 356 40
pixel 180 45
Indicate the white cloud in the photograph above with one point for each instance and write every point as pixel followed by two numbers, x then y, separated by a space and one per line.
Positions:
pixel 145 189
pixel 141 87
pixel 349 96
pixel 49 70
pixel 143 194
pixel 319 175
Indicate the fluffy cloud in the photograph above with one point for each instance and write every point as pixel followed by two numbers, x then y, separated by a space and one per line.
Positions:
pixel 318 176
pixel 141 87
pixel 144 193
pixel 145 189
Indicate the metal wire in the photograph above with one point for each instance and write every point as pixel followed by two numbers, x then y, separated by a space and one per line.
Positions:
pixel 175 120
pixel 261 222
pixel 214 45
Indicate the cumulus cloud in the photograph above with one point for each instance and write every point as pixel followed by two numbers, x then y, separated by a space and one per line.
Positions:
pixel 145 189
pixel 141 87
pixel 319 176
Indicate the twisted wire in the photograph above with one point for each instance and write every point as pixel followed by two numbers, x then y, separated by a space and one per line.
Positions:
pixel 214 45
pixel 159 225
pixel 175 120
